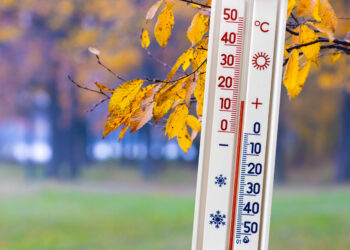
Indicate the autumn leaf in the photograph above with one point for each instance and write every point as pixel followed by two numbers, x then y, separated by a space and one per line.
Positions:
pixel 124 95
pixel 193 123
pixel 199 93
pixel 291 5
pixel 307 35
pixel 170 3
pixel 184 60
pixel 164 26
pixel 198 28
pixel 176 121
pixel 141 117
pixel 323 29
pixel 302 76
pixel 316 11
pixel 305 7
pixel 335 57
pixel 153 10
pixel 294 78
pixel 327 15
pixel 184 139
pixel 122 133
pixel 290 80
pixel 114 120
pixel 200 54
pixel 145 41
pixel 189 87
pixel 176 127
pixel 102 87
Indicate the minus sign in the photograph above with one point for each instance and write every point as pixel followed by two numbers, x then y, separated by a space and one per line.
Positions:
pixel 223 145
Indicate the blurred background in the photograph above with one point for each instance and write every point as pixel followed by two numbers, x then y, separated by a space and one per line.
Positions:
pixel 63 187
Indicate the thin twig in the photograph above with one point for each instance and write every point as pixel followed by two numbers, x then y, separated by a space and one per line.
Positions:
pixel 86 88
pixel 98 104
pixel 292 32
pixel 149 53
pixel 194 2
pixel 109 70
pixel 181 78
pixel 320 40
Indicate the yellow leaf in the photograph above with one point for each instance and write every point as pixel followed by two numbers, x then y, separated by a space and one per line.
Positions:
pixel 335 57
pixel 199 26
pixel 307 35
pixel 102 87
pixel 184 60
pixel 170 91
pixel 184 139
pixel 316 11
pixel 327 15
pixel 290 79
pixel 199 108
pixel 176 121
pixel 200 54
pixel 303 74
pixel 122 132
pixel 153 10
pixel 124 95
pixel 196 5
pixel 189 87
pixel 291 5
pixel 323 29
pixel 160 110
pixel 145 41
pixel 295 39
pixel 285 52
pixel 141 117
pixel 113 122
pixel 305 7
pixel 164 26
pixel 170 3
pixel 193 123
pixel 199 93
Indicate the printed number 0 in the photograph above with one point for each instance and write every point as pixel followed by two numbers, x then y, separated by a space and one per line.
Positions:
pixel 224 125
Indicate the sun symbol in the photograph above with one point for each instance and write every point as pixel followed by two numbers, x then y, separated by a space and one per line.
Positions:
pixel 261 61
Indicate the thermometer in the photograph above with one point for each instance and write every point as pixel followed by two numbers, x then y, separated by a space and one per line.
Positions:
pixel 239 129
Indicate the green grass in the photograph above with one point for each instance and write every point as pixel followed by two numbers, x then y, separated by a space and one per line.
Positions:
pixel 311 220
pixel 55 219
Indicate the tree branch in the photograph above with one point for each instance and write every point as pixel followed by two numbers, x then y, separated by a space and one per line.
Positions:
pixel 109 70
pixel 88 89
pixel 149 53
pixel 98 104
pixel 194 2
pixel 321 40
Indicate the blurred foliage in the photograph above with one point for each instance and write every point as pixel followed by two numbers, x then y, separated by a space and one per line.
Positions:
pixel 311 28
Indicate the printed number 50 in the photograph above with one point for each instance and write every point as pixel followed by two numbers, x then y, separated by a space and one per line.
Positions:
pixel 230 14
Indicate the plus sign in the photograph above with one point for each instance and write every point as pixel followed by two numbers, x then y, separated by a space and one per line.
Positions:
pixel 257 103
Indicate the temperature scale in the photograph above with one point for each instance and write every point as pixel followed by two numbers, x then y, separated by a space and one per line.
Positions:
pixel 238 140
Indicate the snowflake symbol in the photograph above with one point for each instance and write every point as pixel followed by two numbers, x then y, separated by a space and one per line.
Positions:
pixel 217 219
pixel 220 180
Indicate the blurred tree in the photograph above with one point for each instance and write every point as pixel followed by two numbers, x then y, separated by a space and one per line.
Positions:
pixel 311 27
pixel 41 42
